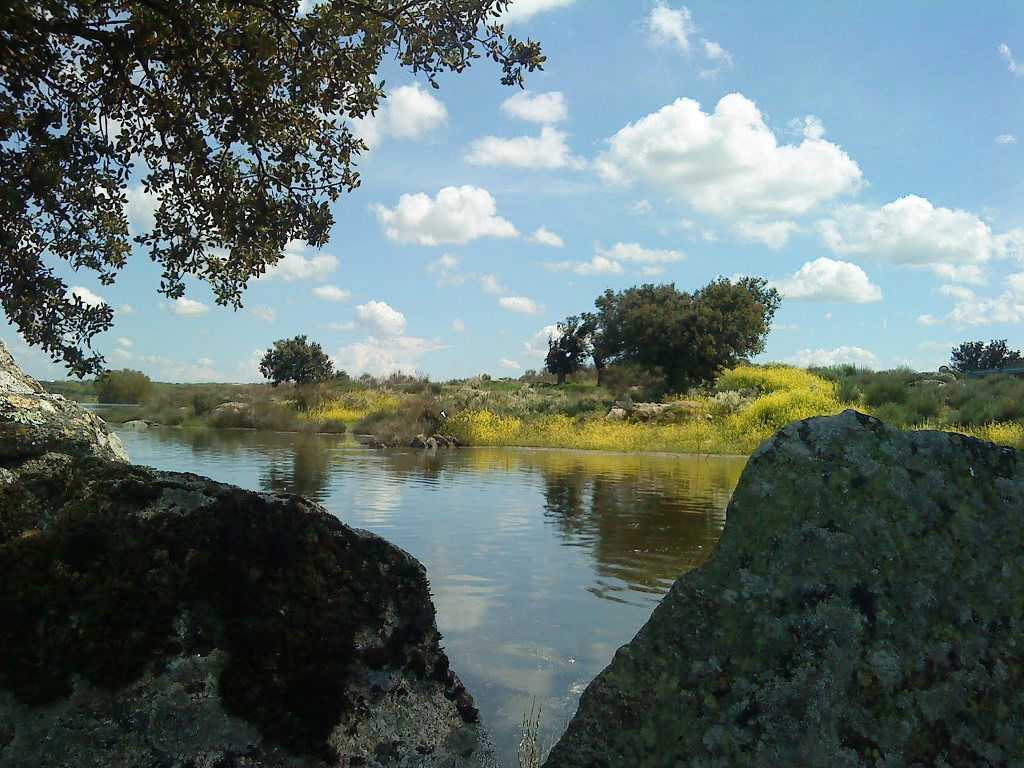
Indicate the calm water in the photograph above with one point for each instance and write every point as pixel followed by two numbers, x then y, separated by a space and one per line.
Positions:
pixel 541 563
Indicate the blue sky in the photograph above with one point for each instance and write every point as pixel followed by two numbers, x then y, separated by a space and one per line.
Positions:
pixel 866 157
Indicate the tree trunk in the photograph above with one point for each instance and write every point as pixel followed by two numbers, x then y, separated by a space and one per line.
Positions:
pixel 599 366
pixel 561 377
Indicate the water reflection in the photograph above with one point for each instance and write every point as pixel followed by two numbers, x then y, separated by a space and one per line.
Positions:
pixel 541 563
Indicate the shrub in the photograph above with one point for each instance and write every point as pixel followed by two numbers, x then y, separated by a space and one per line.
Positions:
pixel 888 387
pixel 847 390
pixel 124 386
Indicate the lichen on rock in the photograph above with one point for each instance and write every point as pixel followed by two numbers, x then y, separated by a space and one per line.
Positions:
pixel 157 618
pixel 864 607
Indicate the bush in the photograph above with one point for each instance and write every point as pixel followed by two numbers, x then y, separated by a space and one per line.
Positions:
pixel 124 386
pixel 888 387
pixel 847 390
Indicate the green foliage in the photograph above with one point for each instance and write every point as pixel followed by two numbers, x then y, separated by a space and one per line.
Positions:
pixel 568 348
pixel 978 356
pixel 888 387
pixel 296 360
pixel 238 114
pixel 124 386
pixel 688 338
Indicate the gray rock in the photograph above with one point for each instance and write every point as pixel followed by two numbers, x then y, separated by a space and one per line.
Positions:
pixel 864 607
pixel 162 619
pixel 616 413
pixel 33 422
pixel 136 425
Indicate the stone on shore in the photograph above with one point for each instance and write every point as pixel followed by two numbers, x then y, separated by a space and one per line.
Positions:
pixel 162 619
pixel 864 607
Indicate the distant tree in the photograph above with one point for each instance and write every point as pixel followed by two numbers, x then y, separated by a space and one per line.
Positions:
pixel 124 386
pixel 688 338
pixel 234 118
pixel 567 349
pixel 296 360
pixel 590 326
pixel 979 356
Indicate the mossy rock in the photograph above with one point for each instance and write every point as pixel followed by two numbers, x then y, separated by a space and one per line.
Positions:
pixel 864 607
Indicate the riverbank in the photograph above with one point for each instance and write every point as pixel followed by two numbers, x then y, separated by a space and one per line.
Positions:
pixel 745 406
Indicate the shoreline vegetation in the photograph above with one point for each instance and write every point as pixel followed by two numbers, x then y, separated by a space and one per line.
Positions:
pixel 745 405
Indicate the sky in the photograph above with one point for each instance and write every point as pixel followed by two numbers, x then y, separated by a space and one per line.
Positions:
pixel 863 157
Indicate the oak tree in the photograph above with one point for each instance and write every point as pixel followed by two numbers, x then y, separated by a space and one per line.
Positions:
pixel 232 115
pixel 296 360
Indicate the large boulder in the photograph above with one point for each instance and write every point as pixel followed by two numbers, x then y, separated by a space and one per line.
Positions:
pixel 864 607
pixel 162 619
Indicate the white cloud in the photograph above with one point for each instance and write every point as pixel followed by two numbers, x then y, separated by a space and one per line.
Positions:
pixel 379 318
pixel 542 108
pixel 511 364
pixel 458 325
pixel 492 285
pixel 521 304
pixel 548 150
pixel 521 10
pixel 671 27
pixel 773 234
pixel 928 320
pixel 86 296
pixel 650 271
pixel 1005 138
pixel 855 355
pixel 545 236
pixel 126 343
pixel 960 273
pixel 825 279
pixel 719 57
pixel 263 313
pixel 408 112
pixel 294 265
pixel 641 208
pixel 537 345
pixel 970 309
pixel 785 327
pixel 598 265
pixel 140 209
pixel 126 309
pixel 608 261
pixel 727 163
pixel 381 356
pixel 447 270
pixel 913 232
pixel 455 215
pixel 332 293
pixel 185 307
pixel 341 326
pixel 1016 67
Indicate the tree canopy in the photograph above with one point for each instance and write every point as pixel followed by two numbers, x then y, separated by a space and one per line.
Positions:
pixel 979 356
pixel 233 115
pixel 296 360
pixel 124 386
pixel 568 348
pixel 688 338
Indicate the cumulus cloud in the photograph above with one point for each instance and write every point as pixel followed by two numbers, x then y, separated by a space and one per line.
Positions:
pixel 86 296
pixel 455 215
pixel 668 26
pixel 185 307
pixel 341 326
pixel 140 208
pixel 544 108
pixel 492 285
pixel 1016 67
pixel 773 234
pixel 126 309
pixel 458 325
pixel 263 313
pixel 537 345
pixel 609 261
pixel 380 319
pixel 408 112
pixel 548 150
pixel 960 273
pixel 447 270
pixel 914 232
pixel 521 304
pixel 825 279
pixel 728 163
pixel 382 356
pixel 823 357
pixel 295 265
pixel 971 309
pixel 331 293
pixel 717 56
pixel 544 236
pixel 511 364
pixel 521 10
pixel 1005 138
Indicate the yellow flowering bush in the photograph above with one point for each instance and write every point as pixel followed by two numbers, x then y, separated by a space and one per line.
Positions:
pixel 355 404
